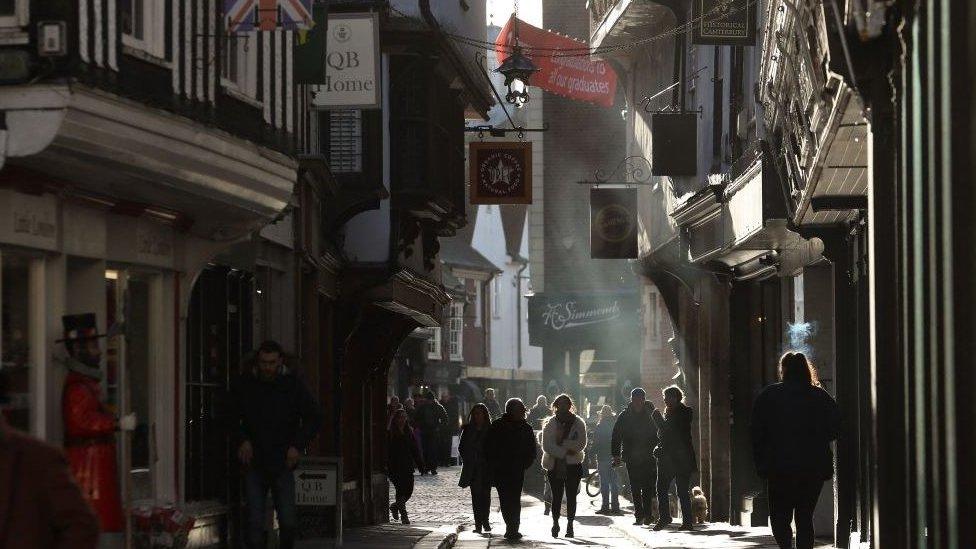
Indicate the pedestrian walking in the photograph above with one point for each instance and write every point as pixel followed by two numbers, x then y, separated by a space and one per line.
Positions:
pixel 402 458
pixel 793 424
pixel 431 418
pixel 510 450
pixel 452 427
pixel 632 441
pixel 602 445
pixel 539 412
pixel 563 445
pixel 41 506
pixel 675 455
pixel 277 417
pixel 474 471
pixel 391 409
pixel 493 407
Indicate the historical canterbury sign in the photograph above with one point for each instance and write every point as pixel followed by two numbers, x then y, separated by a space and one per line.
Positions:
pixel 613 223
pixel 581 318
pixel 500 172
pixel 724 22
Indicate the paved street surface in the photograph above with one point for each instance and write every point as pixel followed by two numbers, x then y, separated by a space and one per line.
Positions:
pixel 439 505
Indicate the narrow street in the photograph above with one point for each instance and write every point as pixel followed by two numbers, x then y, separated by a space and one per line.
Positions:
pixel 439 504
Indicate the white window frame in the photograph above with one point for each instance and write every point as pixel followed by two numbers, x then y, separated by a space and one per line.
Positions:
pixel 245 87
pixel 154 27
pixel 434 344
pixel 20 18
pixel 455 335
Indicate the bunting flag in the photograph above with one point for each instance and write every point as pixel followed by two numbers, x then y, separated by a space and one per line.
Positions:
pixel 565 68
pixel 266 15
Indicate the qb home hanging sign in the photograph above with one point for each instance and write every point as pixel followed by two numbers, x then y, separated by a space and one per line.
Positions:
pixel 724 22
pixel 613 223
pixel 500 172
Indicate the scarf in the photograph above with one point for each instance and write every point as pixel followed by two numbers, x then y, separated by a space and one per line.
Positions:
pixel 565 420
pixel 75 365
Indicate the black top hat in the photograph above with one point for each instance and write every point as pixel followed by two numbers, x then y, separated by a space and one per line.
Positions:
pixel 79 327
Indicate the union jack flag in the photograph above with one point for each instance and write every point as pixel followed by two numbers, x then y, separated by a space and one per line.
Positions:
pixel 248 15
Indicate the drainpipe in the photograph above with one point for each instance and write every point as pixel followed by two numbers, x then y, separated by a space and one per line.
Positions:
pixel 518 308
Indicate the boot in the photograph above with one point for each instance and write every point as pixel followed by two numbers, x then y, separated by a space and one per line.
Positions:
pixel 546 512
pixel 555 527
pixel 395 511
pixel 569 528
pixel 403 515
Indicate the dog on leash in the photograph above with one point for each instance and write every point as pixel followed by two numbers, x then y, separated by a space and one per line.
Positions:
pixel 699 505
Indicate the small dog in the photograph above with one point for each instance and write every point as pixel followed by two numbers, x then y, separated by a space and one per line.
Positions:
pixel 699 505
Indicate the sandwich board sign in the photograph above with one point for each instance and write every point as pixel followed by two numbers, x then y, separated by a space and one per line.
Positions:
pixel 318 498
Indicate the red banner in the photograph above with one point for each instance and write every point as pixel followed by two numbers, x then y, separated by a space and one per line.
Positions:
pixel 565 67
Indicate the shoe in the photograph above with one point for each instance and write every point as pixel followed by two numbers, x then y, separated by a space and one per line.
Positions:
pixel 433 471
pixel 395 511
pixel 513 536
pixel 555 529
pixel 403 516
pixel 649 521
pixel 477 528
pixel 569 529
pixel 687 528
pixel 546 512
pixel 603 511
pixel 661 525
pixel 486 527
pixel 638 521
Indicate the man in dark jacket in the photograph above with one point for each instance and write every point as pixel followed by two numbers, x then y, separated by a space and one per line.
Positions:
pixel 636 433
pixel 277 418
pixel 510 450
pixel 452 427
pixel 793 424
pixel 493 408
pixel 676 459
pixel 431 418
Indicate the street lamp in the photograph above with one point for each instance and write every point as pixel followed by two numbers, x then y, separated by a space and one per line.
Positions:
pixel 517 69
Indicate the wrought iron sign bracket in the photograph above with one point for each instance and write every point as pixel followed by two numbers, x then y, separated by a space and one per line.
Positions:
pixel 502 132
pixel 635 167
pixel 676 111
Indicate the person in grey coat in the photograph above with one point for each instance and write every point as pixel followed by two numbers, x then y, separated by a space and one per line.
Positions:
pixel 474 471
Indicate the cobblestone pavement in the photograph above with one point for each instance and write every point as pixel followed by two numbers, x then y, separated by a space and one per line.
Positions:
pixel 438 502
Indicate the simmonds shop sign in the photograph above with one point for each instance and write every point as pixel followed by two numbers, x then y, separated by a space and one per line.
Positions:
pixel 582 318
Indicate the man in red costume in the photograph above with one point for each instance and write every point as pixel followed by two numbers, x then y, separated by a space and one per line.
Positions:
pixel 89 427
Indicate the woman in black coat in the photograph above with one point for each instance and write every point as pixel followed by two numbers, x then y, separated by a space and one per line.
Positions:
pixel 403 457
pixel 793 424
pixel 675 455
pixel 474 472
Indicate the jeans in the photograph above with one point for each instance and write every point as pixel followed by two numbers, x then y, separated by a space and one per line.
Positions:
pixel 609 487
pixel 570 484
pixel 682 481
pixel 510 497
pixel 432 452
pixel 282 486
pixel 481 503
pixel 642 475
pixel 403 483
pixel 793 498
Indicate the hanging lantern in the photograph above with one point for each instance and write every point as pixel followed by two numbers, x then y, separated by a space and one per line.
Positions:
pixel 517 69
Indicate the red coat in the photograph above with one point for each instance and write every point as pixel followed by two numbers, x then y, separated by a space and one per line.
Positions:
pixel 89 432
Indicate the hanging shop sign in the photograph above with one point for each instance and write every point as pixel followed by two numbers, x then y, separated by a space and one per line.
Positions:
pixel 563 70
pixel 500 172
pixel 613 223
pixel 352 63
pixel 309 50
pixel 675 138
pixel 583 319
pixel 724 22
pixel 266 15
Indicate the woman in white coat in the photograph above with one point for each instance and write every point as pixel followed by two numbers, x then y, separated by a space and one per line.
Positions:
pixel 563 441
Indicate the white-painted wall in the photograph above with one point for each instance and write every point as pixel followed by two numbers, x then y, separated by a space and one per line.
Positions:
pixel 505 322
